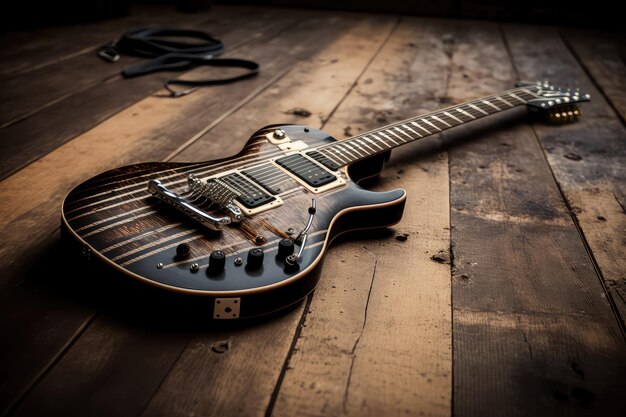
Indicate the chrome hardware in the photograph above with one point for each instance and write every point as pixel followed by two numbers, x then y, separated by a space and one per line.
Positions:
pixel 302 237
pixel 160 265
pixel 218 193
pixel 279 134
pixel 162 193
pixel 238 261
pixel 277 137
pixel 194 267
pixel 549 96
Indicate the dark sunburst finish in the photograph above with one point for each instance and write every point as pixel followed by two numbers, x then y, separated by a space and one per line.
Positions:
pixel 118 221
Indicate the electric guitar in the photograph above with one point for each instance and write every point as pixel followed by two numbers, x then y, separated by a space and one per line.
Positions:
pixel 244 233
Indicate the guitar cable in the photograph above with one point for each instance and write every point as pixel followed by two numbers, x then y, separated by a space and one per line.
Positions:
pixel 170 55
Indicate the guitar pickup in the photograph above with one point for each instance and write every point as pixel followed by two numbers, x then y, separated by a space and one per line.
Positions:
pixel 312 175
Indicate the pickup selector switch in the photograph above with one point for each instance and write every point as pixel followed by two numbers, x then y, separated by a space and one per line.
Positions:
pixel 285 248
pixel 255 258
pixel 217 260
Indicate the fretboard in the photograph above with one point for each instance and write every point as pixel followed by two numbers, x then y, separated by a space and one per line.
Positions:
pixel 362 146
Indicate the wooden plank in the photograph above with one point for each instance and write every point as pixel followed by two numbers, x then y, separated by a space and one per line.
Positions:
pixel 590 166
pixel 100 361
pixel 533 333
pixel 377 339
pixel 22 95
pixel 149 130
pixel 601 55
pixel 49 128
pixel 27 50
pixel 229 372
pixel 299 44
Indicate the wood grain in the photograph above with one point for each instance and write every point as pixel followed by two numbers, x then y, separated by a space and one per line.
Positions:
pixel 26 50
pixel 524 287
pixel 101 361
pixel 377 338
pixel 588 159
pixel 602 56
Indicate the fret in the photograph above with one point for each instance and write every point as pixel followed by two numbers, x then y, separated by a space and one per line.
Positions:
pixel 460 110
pixel 396 135
pixel 338 155
pixel 346 151
pixel 420 126
pixel 350 146
pixel 326 154
pixel 477 108
pixel 441 120
pixel 404 133
pixel 387 137
pixel 429 123
pixel 492 105
pixel 373 143
pixel 528 92
pixel 354 143
pixel 517 97
pixel 362 142
pixel 409 128
pixel 377 141
pixel 504 101
pixel 453 117
pixel 381 140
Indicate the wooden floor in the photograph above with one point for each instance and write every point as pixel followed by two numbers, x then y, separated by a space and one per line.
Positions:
pixel 508 297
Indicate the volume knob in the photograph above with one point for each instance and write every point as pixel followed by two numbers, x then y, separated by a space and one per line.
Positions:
pixel 217 260
pixel 255 258
pixel 285 248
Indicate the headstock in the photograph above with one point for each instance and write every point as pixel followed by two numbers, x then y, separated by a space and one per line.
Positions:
pixel 557 104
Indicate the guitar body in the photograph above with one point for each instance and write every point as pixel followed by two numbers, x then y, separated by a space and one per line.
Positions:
pixel 118 221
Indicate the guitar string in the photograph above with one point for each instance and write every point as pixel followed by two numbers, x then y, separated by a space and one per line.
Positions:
pixel 199 169
pixel 204 165
pixel 365 153
pixel 399 126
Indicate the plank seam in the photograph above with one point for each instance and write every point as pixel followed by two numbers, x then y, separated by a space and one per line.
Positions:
pixel 229 112
pixel 570 211
pixel 594 262
pixel 582 65
pixel 356 343
pixel 48 367
pixel 283 371
pixel 281 377
pixel 365 68
pixel 106 80
pixel 165 375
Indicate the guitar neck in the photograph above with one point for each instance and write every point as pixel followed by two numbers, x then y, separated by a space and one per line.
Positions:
pixel 383 139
